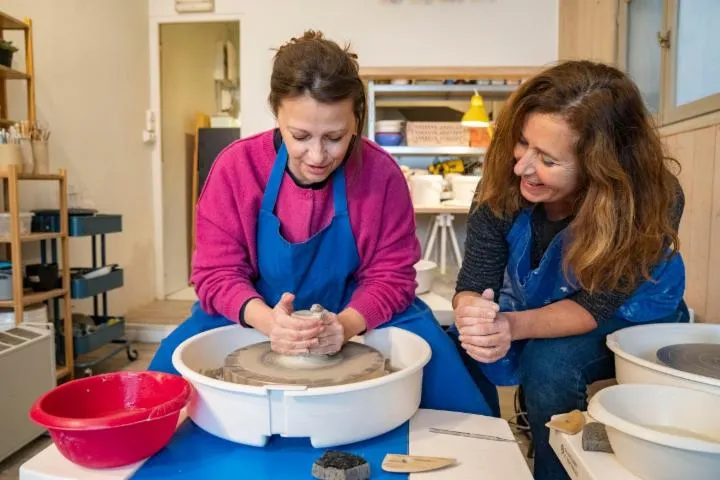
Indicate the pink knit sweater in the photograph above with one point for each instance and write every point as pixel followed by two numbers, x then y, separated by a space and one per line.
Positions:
pixel 381 216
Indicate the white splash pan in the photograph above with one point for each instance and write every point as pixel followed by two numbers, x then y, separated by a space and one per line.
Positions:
pixel 630 412
pixel 329 416
pixel 636 347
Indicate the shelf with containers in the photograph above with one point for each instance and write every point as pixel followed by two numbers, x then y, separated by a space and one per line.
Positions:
pixel 101 330
pixel 416 115
pixel 15 232
pixel 430 102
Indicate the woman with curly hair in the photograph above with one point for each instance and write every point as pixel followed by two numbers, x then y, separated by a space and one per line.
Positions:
pixel 573 235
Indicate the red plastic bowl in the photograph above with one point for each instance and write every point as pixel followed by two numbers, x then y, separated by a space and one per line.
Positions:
pixel 114 419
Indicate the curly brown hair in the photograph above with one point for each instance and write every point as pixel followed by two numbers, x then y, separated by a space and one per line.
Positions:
pixel 622 227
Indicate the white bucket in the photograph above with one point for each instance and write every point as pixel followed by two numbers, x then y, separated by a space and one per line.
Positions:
pixel 424 276
pixel 463 188
pixel 426 189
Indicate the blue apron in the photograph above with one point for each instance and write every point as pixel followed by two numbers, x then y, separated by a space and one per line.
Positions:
pixel 525 288
pixel 320 270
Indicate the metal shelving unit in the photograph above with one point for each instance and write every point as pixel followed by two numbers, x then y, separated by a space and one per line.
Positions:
pixel 491 84
pixel 435 151
pixel 494 84
pixel 423 95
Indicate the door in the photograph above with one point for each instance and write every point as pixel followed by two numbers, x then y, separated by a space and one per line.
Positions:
pixel 196 85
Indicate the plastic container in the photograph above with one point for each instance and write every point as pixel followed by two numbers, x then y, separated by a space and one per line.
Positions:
pixel 426 189
pixel 6 223
pixel 32 314
pixel 463 187
pixel 79 225
pixel 661 432
pixel 114 419
pixel 387 139
pixel 424 276
pixel 6 284
pixel 105 331
pixel 389 126
pixel 329 416
pixel 636 361
pixel 82 287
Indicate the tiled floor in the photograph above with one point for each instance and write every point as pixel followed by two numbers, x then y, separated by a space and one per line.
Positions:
pixel 172 312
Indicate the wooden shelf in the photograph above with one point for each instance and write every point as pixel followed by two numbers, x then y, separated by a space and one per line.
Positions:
pixel 12 74
pixel 39 176
pixel 33 298
pixel 61 372
pixel 32 176
pixel 11 23
pixel 33 237
pixel 448 73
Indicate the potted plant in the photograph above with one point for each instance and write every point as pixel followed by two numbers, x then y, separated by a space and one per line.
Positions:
pixel 6 52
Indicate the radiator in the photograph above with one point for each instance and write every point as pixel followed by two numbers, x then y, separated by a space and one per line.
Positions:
pixel 27 370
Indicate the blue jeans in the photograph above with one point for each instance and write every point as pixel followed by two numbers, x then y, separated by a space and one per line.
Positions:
pixel 555 374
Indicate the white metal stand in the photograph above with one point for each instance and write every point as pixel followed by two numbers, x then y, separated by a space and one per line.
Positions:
pixel 444 223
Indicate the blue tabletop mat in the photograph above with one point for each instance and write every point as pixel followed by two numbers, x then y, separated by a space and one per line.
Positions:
pixel 194 453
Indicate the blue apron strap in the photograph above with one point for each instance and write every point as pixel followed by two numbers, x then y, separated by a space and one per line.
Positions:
pixel 276 174
pixel 339 193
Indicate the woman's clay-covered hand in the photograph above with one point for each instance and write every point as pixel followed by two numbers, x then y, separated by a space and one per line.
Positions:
pixel 290 335
pixel 484 332
pixel 332 336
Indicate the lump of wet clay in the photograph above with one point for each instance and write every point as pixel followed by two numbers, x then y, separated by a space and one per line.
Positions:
pixel 595 439
pixel 340 466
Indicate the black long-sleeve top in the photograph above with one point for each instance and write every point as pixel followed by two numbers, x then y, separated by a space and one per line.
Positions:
pixel 486 254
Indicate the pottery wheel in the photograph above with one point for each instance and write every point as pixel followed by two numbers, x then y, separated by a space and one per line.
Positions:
pixel 258 365
pixel 698 358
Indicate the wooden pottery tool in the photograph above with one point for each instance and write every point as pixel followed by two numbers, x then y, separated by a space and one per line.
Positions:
pixel 397 463
pixel 569 423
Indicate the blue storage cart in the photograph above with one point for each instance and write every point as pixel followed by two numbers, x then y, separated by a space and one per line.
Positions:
pixel 107 329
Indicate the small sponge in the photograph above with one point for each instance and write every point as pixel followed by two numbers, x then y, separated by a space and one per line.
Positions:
pixel 340 466
pixel 595 439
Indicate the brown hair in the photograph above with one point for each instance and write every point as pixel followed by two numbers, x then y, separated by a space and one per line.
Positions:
pixel 622 225
pixel 319 67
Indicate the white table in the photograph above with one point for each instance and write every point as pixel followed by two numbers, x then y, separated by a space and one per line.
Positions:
pixel 582 465
pixel 476 458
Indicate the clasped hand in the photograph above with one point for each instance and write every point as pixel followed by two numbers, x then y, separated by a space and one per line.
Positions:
pixel 294 336
pixel 485 333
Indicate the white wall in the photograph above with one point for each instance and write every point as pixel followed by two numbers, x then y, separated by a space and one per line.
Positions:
pixel 188 89
pixel 91 64
pixel 469 33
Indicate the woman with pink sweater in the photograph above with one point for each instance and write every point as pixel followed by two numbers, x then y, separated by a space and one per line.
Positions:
pixel 312 213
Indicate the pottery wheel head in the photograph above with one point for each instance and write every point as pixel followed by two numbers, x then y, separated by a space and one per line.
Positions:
pixel 698 358
pixel 258 365
pixel 306 362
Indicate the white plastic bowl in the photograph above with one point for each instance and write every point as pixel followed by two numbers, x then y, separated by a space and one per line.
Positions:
pixel 630 411
pixel 635 350
pixel 330 416
pixel 424 276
